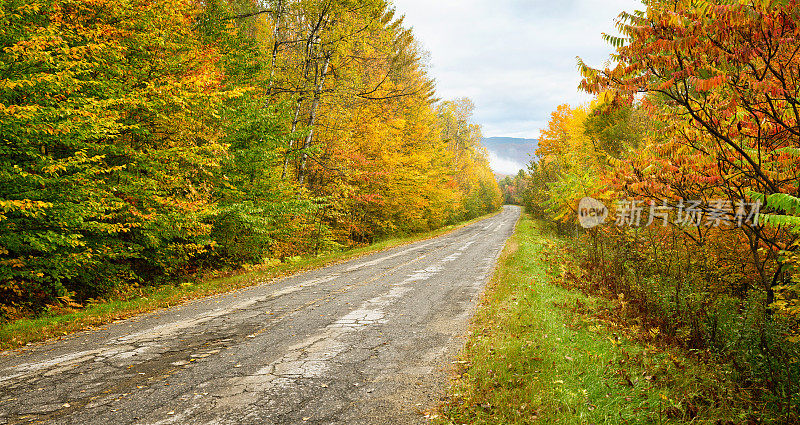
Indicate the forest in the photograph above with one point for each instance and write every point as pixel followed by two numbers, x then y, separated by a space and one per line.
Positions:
pixel 693 144
pixel 146 141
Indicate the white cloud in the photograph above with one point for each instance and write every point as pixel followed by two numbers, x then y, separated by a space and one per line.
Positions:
pixel 504 165
pixel 514 58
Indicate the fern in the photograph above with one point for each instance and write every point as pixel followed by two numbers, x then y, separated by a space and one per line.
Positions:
pixel 788 221
pixel 784 202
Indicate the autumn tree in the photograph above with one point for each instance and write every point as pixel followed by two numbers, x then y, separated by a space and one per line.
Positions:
pixel 710 90
pixel 144 142
pixel 724 77
pixel 106 155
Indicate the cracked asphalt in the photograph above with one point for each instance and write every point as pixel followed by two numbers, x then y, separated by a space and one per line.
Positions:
pixel 368 341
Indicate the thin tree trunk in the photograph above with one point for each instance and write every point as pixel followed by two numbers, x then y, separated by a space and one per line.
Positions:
pixel 313 117
pixel 276 34
pixel 309 46
pixel 295 121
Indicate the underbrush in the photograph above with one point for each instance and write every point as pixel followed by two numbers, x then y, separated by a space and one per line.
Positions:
pixel 547 345
pixel 697 306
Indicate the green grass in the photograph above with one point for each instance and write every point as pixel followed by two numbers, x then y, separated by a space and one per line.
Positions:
pixel 540 353
pixel 62 321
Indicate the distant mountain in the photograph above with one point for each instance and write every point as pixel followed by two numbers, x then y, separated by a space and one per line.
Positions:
pixel 508 155
pixel 511 147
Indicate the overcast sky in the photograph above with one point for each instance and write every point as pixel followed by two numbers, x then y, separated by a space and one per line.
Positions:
pixel 514 58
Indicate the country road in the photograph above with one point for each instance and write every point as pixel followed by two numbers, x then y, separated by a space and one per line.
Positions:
pixel 368 341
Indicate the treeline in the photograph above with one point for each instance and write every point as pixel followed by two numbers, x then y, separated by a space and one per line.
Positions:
pixel 143 141
pixel 514 188
pixel 693 143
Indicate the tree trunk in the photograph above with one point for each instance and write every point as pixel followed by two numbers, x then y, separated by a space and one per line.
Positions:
pixel 295 120
pixel 276 34
pixel 312 117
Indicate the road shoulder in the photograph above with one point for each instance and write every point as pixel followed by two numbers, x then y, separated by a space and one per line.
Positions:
pixel 537 351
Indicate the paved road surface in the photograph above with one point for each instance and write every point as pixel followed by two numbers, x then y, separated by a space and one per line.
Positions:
pixel 367 341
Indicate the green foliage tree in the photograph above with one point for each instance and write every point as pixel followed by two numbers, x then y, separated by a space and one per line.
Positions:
pixel 104 158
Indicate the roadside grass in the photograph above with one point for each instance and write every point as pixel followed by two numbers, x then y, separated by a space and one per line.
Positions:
pixel 64 320
pixel 538 353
